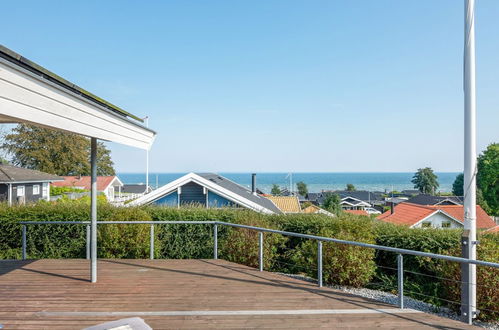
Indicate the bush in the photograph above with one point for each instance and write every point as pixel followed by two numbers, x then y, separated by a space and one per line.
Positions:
pixel 487 289
pixel 56 191
pixel 421 273
pixel 242 245
pixel 342 264
pixel 125 240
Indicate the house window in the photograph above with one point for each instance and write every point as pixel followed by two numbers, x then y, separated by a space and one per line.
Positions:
pixel 36 189
pixel 446 224
pixel 20 191
pixel 426 224
pixel 45 189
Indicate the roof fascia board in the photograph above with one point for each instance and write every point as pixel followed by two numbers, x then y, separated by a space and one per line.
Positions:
pixel 230 195
pixel 112 181
pixel 29 181
pixel 26 97
pixel 192 177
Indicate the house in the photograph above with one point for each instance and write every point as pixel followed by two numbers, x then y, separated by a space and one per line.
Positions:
pixel 436 216
pixel 352 200
pixel 314 209
pixel 287 204
pixel 424 199
pixel 21 185
pixel 209 190
pixel 110 186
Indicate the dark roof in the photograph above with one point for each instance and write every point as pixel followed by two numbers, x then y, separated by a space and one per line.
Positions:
pixel 11 174
pixel 313 196
pixel 23 62
pixel 363 195
pixel 134 188
pixel 424 199
pixel 240 190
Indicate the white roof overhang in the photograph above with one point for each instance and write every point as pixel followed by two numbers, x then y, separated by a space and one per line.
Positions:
pixel 42 98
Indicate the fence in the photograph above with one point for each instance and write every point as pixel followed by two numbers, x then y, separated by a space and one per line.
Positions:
pixel 467 309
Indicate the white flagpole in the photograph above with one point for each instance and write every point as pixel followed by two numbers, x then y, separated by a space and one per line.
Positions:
pixel 470 163
pixel 146 119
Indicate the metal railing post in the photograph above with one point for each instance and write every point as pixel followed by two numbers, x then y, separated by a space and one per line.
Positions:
pixel 88 242
pixel 24 243
pixel 215 241
pixel 319 264
pixel 151 248
pixel 400 278
pixel 260 250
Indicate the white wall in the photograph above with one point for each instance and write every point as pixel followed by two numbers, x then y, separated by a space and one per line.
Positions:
pixel 436 221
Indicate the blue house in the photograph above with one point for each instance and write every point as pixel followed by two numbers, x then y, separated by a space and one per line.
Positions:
pixel 209 190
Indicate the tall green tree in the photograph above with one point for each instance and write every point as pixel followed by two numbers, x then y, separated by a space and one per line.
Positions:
pixel 332 203
pixel 458 185
pixel 302 188
pixel 276 191
pixel 54 151
pixel 425 181
pixel 350 187
pixel 488 178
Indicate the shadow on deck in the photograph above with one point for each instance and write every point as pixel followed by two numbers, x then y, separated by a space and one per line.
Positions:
pixel 185 294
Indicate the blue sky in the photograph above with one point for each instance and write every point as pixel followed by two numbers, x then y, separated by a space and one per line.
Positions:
pixel 274 85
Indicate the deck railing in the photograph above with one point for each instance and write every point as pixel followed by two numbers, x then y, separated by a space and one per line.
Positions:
pixel 467 309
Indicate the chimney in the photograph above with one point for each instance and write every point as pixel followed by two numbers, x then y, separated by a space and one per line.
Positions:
pixel 253 183
pixel 392 209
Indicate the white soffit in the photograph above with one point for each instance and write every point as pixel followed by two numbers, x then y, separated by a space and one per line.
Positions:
pixel 26 97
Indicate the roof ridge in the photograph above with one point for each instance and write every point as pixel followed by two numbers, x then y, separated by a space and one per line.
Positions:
pixel 428 207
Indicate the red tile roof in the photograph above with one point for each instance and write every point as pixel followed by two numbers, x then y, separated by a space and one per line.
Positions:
pixel 494 230
pixel 406 214
pixel 357 212
pixel 84 182
pixel 409 214
pixel 456 211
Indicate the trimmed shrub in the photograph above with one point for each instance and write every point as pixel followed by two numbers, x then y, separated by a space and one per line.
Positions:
pixel 421 274
pixel 125 240
pixel 342 264
pixel 487 289
pixel 242 245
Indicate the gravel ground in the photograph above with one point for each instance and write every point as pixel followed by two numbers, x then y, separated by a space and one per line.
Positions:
pixel 408 302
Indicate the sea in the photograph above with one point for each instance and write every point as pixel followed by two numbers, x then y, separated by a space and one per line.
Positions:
pixel 316 182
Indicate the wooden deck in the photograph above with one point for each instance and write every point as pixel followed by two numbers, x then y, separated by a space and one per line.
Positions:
pixel 173 294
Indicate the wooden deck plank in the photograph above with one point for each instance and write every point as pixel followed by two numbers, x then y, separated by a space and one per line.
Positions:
pixel 33 287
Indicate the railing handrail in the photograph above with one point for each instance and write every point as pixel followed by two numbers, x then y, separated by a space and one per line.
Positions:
pixel 286 233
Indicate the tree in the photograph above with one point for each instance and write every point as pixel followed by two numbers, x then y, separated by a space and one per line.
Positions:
pixel 425 180
pixel 332 203
pixel 302 188
pixel 350 187
pixel 488 178
pixel 458 185
pixel 54 151
pixel 276 191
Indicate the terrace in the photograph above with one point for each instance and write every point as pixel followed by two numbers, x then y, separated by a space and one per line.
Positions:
pixel 172 294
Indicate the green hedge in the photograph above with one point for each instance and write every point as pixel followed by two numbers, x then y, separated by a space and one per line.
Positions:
pixel 342 264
